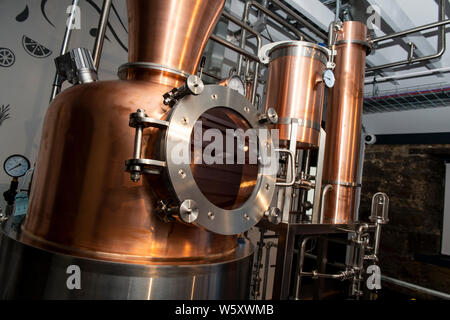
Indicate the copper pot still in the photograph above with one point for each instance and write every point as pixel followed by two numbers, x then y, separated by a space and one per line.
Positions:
pixel 295 90
pixel 343 125
pixel 83 203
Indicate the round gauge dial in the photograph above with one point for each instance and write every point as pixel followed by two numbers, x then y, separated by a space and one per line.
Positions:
pixel 235 83
pixel 328 78
pixel 16 166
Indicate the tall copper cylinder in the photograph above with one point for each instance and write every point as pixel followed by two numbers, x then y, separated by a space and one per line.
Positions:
pixel 83 203
pixel 343 125
pixel 295 89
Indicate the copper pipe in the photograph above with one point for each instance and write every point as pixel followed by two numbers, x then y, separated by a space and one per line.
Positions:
pixel 171 32
pixel 83 203
pixel 343 126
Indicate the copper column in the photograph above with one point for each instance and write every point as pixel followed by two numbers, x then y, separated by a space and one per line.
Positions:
pixel 343 125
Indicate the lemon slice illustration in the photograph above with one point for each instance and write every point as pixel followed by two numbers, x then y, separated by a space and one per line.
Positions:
pixel 7 57
pixel 34 48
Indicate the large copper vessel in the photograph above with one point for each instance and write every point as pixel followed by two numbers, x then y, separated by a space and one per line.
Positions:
pixel 295 90
pixel 83 202
pixel 343 125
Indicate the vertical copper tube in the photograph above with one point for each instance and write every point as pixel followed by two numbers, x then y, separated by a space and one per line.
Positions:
pixel 343 126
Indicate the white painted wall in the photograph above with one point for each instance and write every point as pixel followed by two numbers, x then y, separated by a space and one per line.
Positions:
pixel 414 121
pixel 26 85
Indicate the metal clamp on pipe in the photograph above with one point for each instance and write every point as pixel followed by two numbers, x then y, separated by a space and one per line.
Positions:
pixel 137 166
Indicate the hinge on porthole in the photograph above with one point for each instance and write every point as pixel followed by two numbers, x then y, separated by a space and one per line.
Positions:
pixel 194 85
pixel 137 166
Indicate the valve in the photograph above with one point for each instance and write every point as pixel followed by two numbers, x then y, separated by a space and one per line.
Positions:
pixel 165 211
pixel 270 116
pixel 194 85
pixel 273 215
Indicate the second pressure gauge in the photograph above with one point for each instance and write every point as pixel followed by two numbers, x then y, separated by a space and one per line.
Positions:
pixel 16 166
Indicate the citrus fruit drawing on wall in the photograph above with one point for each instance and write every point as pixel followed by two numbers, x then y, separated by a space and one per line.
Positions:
pixel 7 57
pixel 34 48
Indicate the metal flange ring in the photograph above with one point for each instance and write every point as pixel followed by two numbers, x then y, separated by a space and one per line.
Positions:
pixel 178 136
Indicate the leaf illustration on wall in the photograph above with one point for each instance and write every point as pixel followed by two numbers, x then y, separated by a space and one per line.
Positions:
pixel 43 3
pixel 4 113
pixel 21 17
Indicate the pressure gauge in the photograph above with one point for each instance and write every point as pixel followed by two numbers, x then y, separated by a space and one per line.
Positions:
pixel 328 78
pixel 16 166
pixel 234 82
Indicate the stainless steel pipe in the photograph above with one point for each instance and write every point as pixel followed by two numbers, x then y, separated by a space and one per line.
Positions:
pixel 101 30
pixel 301 20
pixel 269 245
pixel 246 27
pixel 434 293
pixel 442 40
pixel 279 20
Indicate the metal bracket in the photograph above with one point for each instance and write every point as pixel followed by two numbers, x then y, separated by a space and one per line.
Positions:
pixel 76 66
pixel 137 165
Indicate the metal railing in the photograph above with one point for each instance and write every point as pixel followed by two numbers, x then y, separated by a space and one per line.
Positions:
pixel 441 41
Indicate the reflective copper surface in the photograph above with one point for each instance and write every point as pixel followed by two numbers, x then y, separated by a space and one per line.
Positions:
pixel 82 201
pixel 295 90
pixel 171 32
pixel 343 126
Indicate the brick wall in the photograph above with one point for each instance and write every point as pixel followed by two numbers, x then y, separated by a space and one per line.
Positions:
pixel 413 178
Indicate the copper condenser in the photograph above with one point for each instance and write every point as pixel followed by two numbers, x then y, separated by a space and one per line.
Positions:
pixel 343 125
pixel 133 239
pixel 295 89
